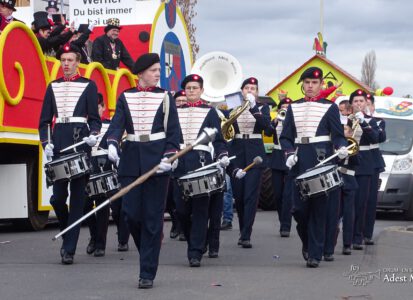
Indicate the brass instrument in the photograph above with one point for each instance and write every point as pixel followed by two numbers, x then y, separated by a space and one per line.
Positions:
pixel 227 127
pixel 351 140
pixel 281 114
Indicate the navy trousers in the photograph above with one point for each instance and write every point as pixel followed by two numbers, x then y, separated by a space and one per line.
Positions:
pixel 98 223
pixel 119 217
pixel 246 192
pixel 282 185
pixel 371 206
pixel 347 214
pixel 214 226
pixel 333 208
pixel 65 216
pixel 362 195
pixel 144 207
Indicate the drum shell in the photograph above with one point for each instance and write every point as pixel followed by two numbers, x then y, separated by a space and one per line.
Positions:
pixel 201 184
pixel 103 185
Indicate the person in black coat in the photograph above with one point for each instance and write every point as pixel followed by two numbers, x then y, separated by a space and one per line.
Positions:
pixel 71 103
pixel 81 40
pixel 109 50
pixel 6 13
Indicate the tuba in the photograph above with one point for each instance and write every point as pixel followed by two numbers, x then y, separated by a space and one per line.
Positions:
pixel 222 74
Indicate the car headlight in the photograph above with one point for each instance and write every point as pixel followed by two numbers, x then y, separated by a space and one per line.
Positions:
pixel 402 164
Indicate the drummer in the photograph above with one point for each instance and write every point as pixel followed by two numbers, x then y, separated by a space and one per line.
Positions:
pixel 311 132
pixel 193 213
pixel 73 101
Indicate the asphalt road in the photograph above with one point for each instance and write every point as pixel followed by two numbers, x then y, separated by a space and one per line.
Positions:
pixel 273 269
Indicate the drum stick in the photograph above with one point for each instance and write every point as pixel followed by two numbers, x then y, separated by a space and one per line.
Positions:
pixel 332 156
pixel 78 144
pixel 48 134
pixel 208 135
pixel 257 161
pixel 210 165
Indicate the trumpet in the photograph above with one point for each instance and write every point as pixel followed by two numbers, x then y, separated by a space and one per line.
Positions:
pixel 351 140
pixel 281 114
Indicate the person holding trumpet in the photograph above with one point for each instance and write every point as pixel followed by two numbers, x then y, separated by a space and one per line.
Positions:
pixel 280 179
pixel 247 145
pixel 73 101
pixel 311 132
pixel 366 134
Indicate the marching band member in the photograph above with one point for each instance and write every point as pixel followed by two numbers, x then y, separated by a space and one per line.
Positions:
pixel 349 188
pixel 379 167
pixel 280 179
pixel 247 145
pixel 149 116
pixel 72 101
pixel 311 131
pixel 367 133
pixel 98 223
pixel 193 212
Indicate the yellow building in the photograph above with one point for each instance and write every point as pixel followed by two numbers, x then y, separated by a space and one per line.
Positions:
pixel 332 73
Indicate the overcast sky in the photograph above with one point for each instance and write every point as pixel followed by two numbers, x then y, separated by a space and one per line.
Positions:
pixel 272 38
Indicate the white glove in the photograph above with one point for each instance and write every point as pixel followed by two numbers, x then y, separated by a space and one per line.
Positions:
pixel 240 174
pixel 91 140
pixel 174 164
pixel 164 166
pixel 342 153
pixel 91 26
pixel 360 117
pixel 48 150
pixel 113 154
pixel 224 161
pixel 251 99
pixel 291 161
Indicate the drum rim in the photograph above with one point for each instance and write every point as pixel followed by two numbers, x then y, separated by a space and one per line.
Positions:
pixel 65 157
pixel 204 172
pixel 102 174
pixel 328 167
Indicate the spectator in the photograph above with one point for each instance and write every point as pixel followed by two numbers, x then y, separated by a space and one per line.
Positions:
pixel 6 13
pixel 81 40
pixel 109 50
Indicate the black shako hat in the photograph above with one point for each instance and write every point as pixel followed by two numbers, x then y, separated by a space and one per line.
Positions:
pixel 284 101
pixel 251 80
pixel 9 4
pixel 67 48
pixel 312 73
pixel 192 77
pixel 356 93
pixel 145 61
pixel 370 97
pixel 179 94
pixel 52 4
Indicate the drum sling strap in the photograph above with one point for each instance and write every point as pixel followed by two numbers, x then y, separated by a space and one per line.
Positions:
pixel 166 104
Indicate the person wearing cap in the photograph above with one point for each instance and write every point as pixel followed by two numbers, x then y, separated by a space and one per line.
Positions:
pixel 247 145
pixel 52 8
pixel 378 168
pixel 149 116
pixel 180 98
pixel 311 132
pixel 71 104
pixel 366 134
pixel 280 179
pixel 50 40
pixel 194 212
pixel 7 7
pixel 81 40
pixel 109 50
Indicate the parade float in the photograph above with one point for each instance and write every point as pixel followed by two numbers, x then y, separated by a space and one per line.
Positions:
pixel 147 26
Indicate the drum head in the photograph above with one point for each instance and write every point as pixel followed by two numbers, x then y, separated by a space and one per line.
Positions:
pixel 316 171
pixel 199 174
pixel 67 157
pixel 104 174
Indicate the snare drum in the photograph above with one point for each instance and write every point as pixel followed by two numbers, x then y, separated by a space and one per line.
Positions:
pixel 319 181
pixel 103 184
pixel 202 183
pixel 67 167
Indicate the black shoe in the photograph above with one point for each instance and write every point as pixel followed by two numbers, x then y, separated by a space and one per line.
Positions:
pixel 123 247
pixel 213 254
pixel 284 233
pixel 174 233
pixel 357 247
pixel 62 252
pixel 226 225
pixel 99 253
pixel 182 237
pixel 67 259
pixel 368 241
pixel 346 251
pixel 305 254
pixel 91 247
pixel 194 263
pixel 312 263
pixel 145 283
pixel 239 242
pixel 246 244
pixel 328 257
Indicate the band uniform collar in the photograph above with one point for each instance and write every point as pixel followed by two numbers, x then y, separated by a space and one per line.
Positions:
pixel 195 104
pixel 73 78
pixel 142 89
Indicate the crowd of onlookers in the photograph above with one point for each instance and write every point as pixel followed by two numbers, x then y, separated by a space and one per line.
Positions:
pixel 53 31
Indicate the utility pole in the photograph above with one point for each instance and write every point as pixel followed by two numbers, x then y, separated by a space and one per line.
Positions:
pixel 321 16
